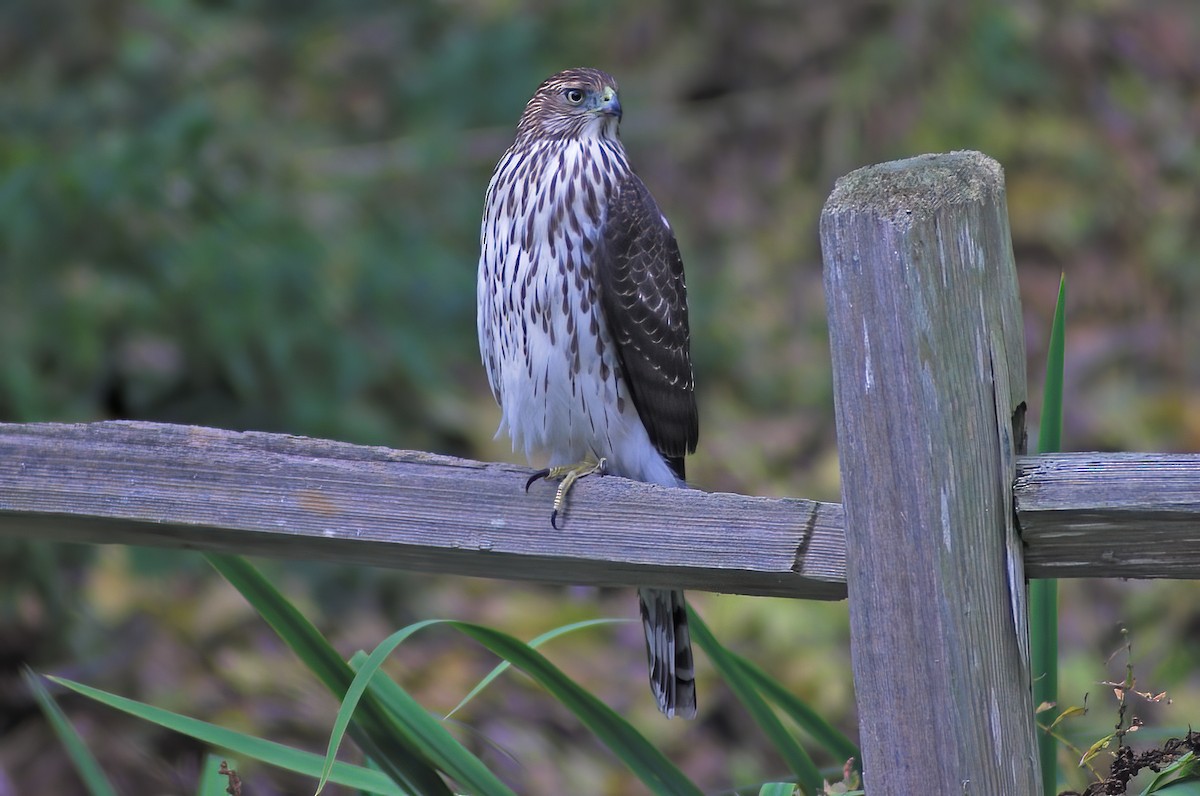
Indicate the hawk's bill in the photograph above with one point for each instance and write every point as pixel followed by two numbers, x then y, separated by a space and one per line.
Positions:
pixel 583 320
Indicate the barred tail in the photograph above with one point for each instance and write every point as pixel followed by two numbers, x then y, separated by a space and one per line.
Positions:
pixel 669 651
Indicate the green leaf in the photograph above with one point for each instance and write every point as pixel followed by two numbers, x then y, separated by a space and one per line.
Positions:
pixel 1096 748
pixel 1050 428
pixel 1176 778
pixel 646 762
pixel 268 752
pixel 1069 713
pixel 629 745
pixel 81 757
pixel 742 685
pixel 376 732
pixel 1182 787
pixel 383 729
pixel 1043 594
pixel 535 643
pixel 777 789
pixel 432 740
pixel 833 741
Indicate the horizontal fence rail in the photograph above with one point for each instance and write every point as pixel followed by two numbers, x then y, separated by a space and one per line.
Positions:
pixel 1127 515
pixel 275 495
pixel 1082 514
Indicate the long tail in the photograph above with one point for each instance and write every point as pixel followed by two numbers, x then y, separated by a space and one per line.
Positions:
pixel 669 651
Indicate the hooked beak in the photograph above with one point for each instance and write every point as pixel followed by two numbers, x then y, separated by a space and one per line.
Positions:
pixel 609 103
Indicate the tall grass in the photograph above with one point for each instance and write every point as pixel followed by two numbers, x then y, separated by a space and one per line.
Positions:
pixel 411 751
pixel 1043 593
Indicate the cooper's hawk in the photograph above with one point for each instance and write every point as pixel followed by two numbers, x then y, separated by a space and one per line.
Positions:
pixel 583 322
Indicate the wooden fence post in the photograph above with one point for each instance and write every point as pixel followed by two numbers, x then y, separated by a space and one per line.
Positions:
pixel 929 390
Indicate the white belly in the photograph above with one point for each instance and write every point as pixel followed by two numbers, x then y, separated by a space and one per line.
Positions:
pixel 551 363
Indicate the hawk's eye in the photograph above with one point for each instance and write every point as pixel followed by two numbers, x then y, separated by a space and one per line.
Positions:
pixel 573 95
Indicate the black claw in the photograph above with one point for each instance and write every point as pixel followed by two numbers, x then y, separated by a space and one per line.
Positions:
pixel 535 477
pixel 554 519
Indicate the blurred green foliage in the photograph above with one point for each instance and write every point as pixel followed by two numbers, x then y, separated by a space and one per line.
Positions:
pixel 264 214
pixel 197 226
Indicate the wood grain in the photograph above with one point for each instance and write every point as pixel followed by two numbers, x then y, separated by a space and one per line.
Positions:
pixel 1087 515
pixel 929 390
pixel 292 497
pixel 1126 515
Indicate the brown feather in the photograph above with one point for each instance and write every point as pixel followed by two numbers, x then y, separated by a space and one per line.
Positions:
pixel 644 297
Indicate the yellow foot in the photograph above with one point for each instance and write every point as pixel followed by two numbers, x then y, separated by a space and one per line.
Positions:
pixel 568 474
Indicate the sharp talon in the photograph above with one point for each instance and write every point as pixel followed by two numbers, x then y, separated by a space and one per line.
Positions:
pixel 535 477
pixel 567 474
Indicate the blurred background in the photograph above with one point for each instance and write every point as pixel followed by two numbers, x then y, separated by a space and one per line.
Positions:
pixel 264 215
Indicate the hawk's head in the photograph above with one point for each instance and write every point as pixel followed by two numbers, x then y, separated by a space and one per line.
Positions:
pixel 575 103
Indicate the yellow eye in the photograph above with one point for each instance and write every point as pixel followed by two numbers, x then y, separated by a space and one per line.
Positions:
pixel 573 95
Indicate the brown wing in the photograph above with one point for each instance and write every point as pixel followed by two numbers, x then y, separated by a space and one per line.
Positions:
pixel 645 305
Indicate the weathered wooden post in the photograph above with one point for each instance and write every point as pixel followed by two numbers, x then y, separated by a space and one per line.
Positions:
pixel 929 389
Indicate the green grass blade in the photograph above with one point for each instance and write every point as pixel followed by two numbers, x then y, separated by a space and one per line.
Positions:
pixel 81 757
pixel 376 732
pixel 462 764
pixel 777 789
pixel 351 699
pixel 212 783
pixel 1175 776
pixel 821 731
pixel 743 686
pixel 535 643
pixel 1050 428
pixel 1183 787
pixel 433 741
pixel 1043 594
pixel 643 759
pixel 646 762
pixel 268 752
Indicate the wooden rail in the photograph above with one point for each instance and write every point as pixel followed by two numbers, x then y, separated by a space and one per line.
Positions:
pixel 275 495
pixel 1110 515
pixel 1082 515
